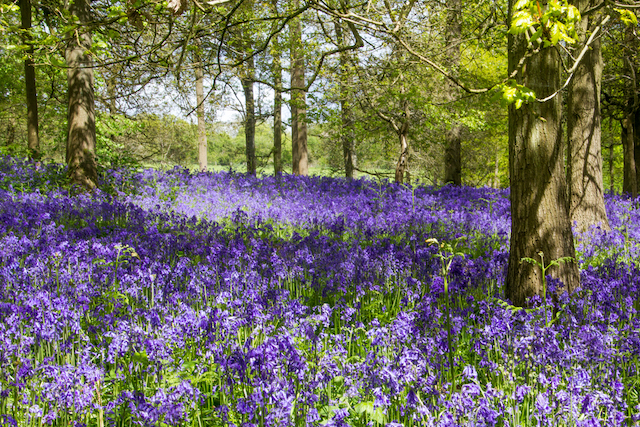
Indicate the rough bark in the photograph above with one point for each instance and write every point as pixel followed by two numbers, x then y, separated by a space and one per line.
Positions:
pixel 248 80
pixel 33 140
pixel 453 136
pixel 586 187
pixel 81 139
pixel 298 101
pixel 540 220
pixel 202 126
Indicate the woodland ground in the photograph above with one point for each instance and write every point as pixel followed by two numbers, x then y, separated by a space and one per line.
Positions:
pixel 198 299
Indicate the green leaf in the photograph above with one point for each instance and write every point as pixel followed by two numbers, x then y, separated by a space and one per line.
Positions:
pixel 627 17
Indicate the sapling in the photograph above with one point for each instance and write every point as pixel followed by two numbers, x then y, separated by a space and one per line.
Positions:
pixel 447 252
pixel 544 268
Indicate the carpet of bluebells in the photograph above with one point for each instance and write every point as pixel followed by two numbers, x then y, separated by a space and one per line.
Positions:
pixel 181 299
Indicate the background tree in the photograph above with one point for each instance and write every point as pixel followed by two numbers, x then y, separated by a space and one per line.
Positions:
pixel 584 162
pixel 81 142
pixel 453 139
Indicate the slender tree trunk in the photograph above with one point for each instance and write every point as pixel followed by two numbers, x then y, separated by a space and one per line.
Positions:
pixel 586 188
pixel 277 110
pixel 202 126
pixel 81 139
pixel 298 101
pixel 452 156
pixel 540 222
pixel 403 159
pixel 346 109
pixel 636 145
pixel 629 183
pixel 453 137
pixel 33 140
pixel 496 171
pixel 250 116
pixel 611 175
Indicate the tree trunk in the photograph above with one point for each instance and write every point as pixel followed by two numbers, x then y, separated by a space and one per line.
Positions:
pixel 202 126
pixel 33 140
pixel 496 171
pixel 403 160
pixel 540 222
pixel 277 111
pixel 298 101
pixel 81 139
pixel 453 166
pixel 346 109
pixel 453 137
pixel 629 182
pixel 250 116
pixel 611 175
pixel 586 188
pixel 636 144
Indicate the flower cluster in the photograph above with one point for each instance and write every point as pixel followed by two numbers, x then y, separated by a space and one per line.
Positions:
pixel 225 299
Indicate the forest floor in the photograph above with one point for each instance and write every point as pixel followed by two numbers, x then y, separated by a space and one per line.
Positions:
pixel 215 299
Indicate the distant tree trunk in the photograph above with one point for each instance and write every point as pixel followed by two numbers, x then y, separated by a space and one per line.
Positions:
pixel 33 140
pixel 403 159
pixel 540 222
pixel 611 175
pixel 629 182
pixel 496 171
pixel 586 188
pixel 81 139
pixel 250 116
pixel 453 162
pixel 277 110
pixel 346 109
pixel 298 101
pixel 629 131
pixel 636 144
pixel 453 137
pixel 202 126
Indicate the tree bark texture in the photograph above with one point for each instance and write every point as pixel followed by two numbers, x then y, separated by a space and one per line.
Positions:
pixel 33 140
pixel 586 187
pixel 298 101
pixel 81 139
pixel 453 136
pixel 202 126
pixel 540 220
pixel 250 116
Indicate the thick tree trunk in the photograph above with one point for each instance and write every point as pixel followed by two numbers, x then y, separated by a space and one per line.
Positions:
pixel 453 137
pixel 586 188
pixel 33 140
pixel 202 126
pixel 250 117
pixel 346 109
pixel 298 101
pixel 629 182
pixel 277 113
pixel 540 220
pixel 81 139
